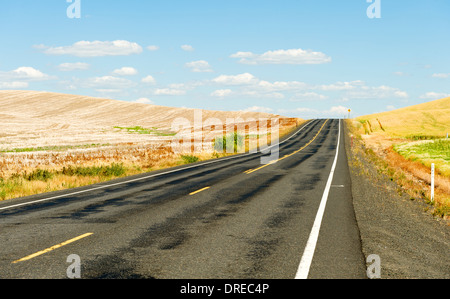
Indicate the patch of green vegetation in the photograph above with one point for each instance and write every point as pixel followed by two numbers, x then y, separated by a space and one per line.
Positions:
pixel 114 169
pixel 232 142
pixel 9 185
pixel 436 151
pixel 423 137
pixel 141 130
pixel 52 148
pixel 189 159
pixel 38 175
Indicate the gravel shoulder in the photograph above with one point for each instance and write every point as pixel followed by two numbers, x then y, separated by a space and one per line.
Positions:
pixel 411 243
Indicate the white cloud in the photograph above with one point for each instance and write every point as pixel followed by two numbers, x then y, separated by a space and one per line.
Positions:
pixel 221 93
pixel 149 79
pixel 435 95
pixel 359 90
pixel 144 101
pixel 153 48
pixel 281 86
pixel 108 83
pixel 401 94
pixel 441 76
pixel 249 85
pixel 291 56
pixel 187 48
pixel 77 66
pixel 308 96
pixel 95 49
pixel 30 73
pixel 337 111
pixel 108 90
pixel 241 79
pixel 307 113
pixel 262 94
pixel 258 109
pixel 342 86
pixel 390 107
pixel 169 92
pixel 20 77
pixel 200 66
pixel 13 85
pixel 401 74
pixel 125 71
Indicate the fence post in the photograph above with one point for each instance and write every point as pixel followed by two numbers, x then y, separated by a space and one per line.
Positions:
pixel 432 182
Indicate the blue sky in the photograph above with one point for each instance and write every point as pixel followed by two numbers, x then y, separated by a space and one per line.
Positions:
pixel 295 58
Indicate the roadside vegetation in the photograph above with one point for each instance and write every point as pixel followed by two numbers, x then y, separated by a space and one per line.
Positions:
pixel 47 178
pixel 52 148
pixel 30 171
pixel 406 160
pixel 147 131
pixel 435 151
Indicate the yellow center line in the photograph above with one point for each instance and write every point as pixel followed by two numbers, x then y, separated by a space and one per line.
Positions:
pixel 291 154
pixel 198 191
pixel 52 248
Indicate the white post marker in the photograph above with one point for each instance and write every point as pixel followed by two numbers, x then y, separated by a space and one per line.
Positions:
pixel 432 182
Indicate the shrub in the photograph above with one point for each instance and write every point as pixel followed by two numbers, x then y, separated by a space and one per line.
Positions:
pixel 221 143
pixel 106 171
pixel 38 175
pixel 189 159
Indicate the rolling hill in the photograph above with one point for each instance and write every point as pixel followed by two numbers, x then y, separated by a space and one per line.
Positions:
pixel 39 119
pixel 427 119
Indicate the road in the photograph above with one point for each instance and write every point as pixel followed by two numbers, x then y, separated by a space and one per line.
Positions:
pixel 231 218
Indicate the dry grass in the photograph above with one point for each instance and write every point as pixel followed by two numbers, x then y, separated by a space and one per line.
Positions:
pixel 134 158
pixel 390 133
pixel 412 177
pixel 427 119
pixel 50 131
pixel 13 182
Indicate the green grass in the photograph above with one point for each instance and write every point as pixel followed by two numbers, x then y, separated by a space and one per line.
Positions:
pixel 189 159
pixel 8 186
pixel 436 151
pixel 39 175
pixel 22 184
pixel 104 171
pixel 221 144
pixel 424 137
pixel 140 130
pixel 51 148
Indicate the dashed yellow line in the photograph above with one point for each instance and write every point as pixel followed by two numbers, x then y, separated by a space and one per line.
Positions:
pixel 198 191
pixel 291 154
pixel 52 248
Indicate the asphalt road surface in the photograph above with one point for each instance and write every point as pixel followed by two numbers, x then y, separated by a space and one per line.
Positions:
pixel 230 218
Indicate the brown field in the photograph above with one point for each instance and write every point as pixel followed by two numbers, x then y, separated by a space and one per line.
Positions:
pixel 51 132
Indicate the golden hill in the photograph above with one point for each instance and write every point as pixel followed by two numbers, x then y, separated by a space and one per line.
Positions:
pixel 428 119
pixel 36 119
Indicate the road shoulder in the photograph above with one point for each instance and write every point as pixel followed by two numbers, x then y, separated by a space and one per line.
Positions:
pixel 410 242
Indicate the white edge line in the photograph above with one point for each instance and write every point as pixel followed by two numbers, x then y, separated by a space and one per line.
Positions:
pixel 143 178
pixel 308 254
